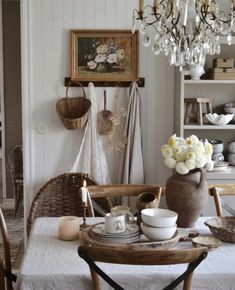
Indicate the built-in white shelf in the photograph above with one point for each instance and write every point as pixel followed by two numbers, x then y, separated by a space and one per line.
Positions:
pixel 214 82
pixel 208 127
pixel 227 174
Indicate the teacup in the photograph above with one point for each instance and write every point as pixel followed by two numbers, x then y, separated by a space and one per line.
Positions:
pixel 218 157
pixel 125 210
pixel 115 223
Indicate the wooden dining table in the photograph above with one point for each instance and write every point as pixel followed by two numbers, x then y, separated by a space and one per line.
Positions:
pixel 50 263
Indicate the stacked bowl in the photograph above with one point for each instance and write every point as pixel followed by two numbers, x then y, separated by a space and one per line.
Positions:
pixel 158 224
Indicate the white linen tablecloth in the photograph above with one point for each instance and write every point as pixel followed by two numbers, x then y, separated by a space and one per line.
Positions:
pixel 50 264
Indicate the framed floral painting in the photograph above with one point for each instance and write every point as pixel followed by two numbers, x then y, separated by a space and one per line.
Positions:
pixel 104 55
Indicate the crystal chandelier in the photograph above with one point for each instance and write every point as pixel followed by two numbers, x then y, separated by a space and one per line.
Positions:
pixel 184 30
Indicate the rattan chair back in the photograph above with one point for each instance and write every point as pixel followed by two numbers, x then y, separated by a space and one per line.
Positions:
pixel 107 254
pixel 60 197
pixel 219 190
pixel 7 267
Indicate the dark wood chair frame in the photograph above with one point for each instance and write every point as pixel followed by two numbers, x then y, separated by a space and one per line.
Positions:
pixel 7 268
pixel 91 254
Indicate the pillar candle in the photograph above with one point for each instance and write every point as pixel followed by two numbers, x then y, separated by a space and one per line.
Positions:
pixel 68 228
pixel 141 5
pixel 84 192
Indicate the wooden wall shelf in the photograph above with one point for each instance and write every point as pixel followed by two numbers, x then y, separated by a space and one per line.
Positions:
pixel 140 82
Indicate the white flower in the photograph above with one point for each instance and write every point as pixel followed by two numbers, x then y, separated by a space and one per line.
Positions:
pixel 200 161
pixel 91 64
pixel 112 57
pixel 170 162
pixel 103 48
pixel 209 165
pixel 190 163
pixel 121 53
pixel 187 154
pixel 100 58
pixel 181 168
pixel 167 152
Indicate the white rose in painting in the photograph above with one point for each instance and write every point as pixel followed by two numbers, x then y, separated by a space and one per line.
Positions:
pixel 91 64
pixel 100 58
pixel 112 57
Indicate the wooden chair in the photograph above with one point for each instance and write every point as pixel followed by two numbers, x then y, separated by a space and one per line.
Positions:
pixel 115 255
pixel 15 164
pixel 59 197
pixel 2 278
pixel 7 269
pixel 218 190
pixel 123 190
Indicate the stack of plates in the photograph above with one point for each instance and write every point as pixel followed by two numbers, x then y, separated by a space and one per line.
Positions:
pixel 131 234
pixel 218 166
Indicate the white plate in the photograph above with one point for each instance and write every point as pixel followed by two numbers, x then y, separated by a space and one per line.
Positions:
pixel 131 229
pixel 116 240
pixel 219 166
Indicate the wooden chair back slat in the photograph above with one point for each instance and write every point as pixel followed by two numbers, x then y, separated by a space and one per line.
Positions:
pixel 141 257
pixel 218 190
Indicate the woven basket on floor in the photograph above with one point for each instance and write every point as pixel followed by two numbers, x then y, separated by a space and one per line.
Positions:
pixel 73 112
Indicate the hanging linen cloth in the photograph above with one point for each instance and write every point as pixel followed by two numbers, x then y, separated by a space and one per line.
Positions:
pixel 91 158
pixel 132 167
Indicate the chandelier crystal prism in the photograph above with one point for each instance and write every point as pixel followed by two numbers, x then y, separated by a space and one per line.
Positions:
pixel 184 30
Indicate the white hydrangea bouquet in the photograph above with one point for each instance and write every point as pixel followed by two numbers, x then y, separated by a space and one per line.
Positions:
pixel 185 154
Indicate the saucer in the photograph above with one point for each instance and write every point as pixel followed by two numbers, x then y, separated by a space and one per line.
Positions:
pixel 99 231
pixel 221 166
pixel 206 241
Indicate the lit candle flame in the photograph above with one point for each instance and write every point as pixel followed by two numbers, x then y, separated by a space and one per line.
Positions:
pixel 84 183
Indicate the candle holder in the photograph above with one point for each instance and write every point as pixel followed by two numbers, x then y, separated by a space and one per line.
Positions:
pixel 84 224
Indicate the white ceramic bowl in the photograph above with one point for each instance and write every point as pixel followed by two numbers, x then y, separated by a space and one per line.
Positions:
pixel 219 120
pixel 158 234
pixel 159 217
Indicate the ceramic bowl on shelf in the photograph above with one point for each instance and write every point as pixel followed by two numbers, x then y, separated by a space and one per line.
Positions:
pixel 229 108
pixel 231 146
pixel 159 217
pixel 219 120
pixel 158 234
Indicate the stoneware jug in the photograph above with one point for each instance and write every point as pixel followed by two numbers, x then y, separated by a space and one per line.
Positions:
pixel 187 195
pixel 146 200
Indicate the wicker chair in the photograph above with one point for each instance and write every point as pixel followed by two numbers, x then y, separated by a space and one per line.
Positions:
pixel 15 164
pixel 59 197
pixel 7 268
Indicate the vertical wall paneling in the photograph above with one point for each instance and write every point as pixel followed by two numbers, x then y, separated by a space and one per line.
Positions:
pixel 46 61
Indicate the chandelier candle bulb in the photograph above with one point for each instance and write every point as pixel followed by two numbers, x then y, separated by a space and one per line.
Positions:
pixel 199 22
pixel 141 6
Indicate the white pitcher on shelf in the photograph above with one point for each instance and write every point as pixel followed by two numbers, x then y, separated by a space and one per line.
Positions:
pixel 196 71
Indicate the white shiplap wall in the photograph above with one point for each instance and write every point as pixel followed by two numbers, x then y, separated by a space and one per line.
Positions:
pixel 45 63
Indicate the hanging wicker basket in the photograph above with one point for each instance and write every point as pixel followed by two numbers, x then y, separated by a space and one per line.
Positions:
pixel 73 112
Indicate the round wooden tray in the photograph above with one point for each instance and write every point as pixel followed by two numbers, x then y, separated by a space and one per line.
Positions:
pixel 143 242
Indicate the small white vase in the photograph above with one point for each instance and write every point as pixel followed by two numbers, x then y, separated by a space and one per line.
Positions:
pixel 196 72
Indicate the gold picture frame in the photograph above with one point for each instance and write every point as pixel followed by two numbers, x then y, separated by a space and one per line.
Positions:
pixel 104 55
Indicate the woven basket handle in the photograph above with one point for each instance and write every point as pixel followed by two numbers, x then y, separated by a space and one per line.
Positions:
pixel 74 82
